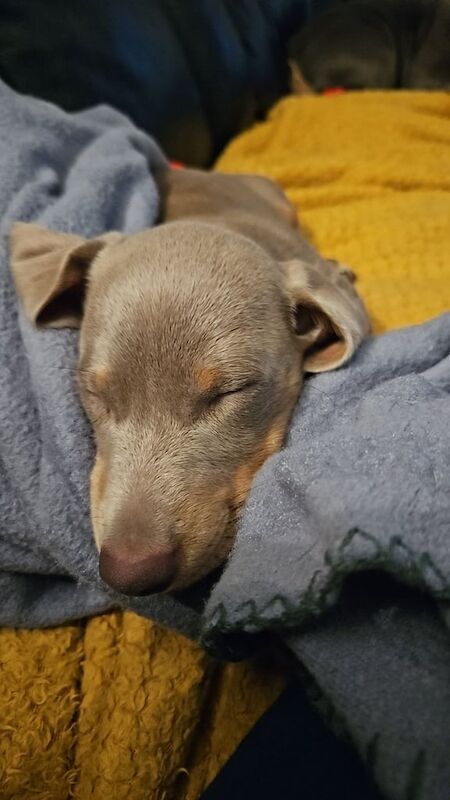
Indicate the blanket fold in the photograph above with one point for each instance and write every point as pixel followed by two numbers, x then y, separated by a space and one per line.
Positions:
pixel 361 486
pixel 363 482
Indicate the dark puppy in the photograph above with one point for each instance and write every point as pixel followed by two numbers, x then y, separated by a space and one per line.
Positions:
pixel 375 44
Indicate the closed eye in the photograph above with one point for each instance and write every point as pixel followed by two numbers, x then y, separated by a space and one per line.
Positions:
pixel 95 405
pixel 223 394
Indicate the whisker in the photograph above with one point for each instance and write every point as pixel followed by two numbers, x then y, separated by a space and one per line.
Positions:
pixel 316 389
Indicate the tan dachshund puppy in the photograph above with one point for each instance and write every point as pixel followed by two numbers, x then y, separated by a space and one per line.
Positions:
pixel 194 339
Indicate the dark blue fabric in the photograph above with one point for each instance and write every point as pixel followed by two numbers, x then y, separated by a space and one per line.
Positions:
pixel 192 73
pixel 291 754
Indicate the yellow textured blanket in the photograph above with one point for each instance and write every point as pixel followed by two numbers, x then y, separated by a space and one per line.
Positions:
pixel 117 707
pixel 370 174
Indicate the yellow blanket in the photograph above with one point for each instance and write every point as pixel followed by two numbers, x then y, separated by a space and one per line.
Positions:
pixel 370 174
pixel 117 707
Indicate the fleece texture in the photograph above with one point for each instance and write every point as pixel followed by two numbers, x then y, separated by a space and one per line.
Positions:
pixel 368 173
pixel 362 485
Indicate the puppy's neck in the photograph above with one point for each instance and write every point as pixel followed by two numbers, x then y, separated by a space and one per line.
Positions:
pixel 249 205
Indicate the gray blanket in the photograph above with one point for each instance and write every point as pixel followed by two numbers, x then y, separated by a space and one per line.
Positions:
pixel 362 484
pixel 362 489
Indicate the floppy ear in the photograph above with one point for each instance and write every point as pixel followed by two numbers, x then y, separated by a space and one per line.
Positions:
pixel 50 271
pixel 326 313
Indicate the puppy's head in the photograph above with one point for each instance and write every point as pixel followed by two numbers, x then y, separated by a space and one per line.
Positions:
pixel 193 344
pixel 350 45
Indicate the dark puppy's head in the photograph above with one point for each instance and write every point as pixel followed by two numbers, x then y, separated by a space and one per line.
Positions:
pixel 192 350
pixel 350 46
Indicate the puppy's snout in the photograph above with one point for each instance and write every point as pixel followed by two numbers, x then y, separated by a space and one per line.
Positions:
pixel 137 574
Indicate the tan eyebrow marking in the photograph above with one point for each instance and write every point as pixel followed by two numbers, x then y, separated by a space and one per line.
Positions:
pixel 101 378
pixel 208 378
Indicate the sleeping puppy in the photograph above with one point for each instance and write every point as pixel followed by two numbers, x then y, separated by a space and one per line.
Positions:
pixel 374 44
pixel 194 339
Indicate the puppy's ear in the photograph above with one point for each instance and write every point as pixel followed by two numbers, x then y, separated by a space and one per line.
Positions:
pixel 50 270
pixel 326 313
pixel 299 85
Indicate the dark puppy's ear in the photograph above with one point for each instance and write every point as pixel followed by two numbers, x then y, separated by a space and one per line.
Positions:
pixel 50 271
pixel 298 83
pixel 325 312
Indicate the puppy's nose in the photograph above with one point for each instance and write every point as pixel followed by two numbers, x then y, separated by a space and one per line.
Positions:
pixel 137 574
